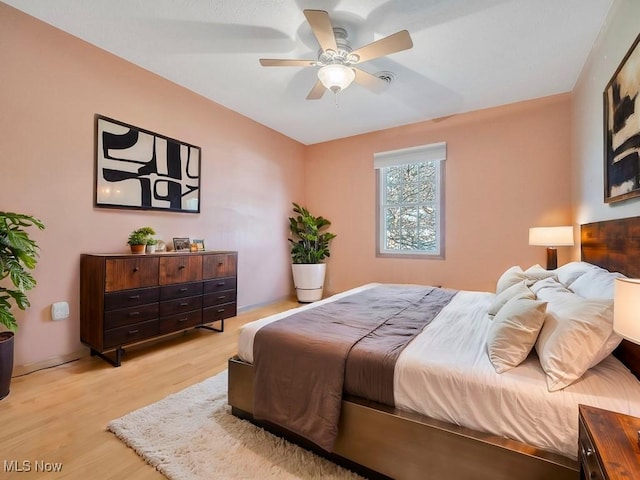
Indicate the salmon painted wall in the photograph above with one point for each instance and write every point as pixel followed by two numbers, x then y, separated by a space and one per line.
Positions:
pixel 508 169
pixel 51 86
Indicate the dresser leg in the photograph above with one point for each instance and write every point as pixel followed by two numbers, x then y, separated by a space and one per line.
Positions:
pixel 116 362
pixel 213 329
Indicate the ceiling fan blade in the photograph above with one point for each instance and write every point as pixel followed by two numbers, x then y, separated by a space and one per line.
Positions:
pixel 369 81
pixel 323 30
pixel 393 43
pixel 274 62
pixel 317 91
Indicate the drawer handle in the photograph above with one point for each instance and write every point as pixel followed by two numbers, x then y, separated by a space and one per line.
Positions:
pixel 220 264
pixel 182 320
pixel 220 284
pixel 221 310
pixel 184 289
pixel 222 297
pixel 182 266
pixel 135 269
pixel 134 314
pixel 184 304
pixel 131 332
pixel 134 297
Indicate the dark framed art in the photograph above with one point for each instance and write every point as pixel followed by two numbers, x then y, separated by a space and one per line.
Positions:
pixel 181 244
pixel 622 129
pixel 139 169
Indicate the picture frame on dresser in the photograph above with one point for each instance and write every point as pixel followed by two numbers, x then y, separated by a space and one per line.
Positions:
pixel 181 244
pixel 622 129
pixel 199 244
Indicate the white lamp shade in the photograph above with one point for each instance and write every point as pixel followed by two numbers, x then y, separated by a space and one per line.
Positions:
pixel 551 236
pixel 626 309
pixel 336 77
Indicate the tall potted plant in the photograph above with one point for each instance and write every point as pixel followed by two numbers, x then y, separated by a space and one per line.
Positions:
pixel 18 253
pixel 309 247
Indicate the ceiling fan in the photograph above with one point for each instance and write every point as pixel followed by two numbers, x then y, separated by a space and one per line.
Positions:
pixel 337 60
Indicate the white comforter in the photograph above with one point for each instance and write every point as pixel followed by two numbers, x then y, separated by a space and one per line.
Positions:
pixel 445 373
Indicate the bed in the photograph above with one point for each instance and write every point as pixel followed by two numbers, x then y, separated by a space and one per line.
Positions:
pixel 406 441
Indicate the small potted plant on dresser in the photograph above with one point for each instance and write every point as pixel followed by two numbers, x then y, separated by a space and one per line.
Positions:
pixel 138 239
pixel 18 253
pixel 309 247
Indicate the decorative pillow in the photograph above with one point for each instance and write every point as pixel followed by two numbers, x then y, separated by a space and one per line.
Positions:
pixel 519 289
pixel 570 272
pixel 596 283
pixel 509 278
pixel 577 334
pixel 514 331
pixel 551 286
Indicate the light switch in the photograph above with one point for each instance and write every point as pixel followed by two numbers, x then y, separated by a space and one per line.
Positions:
pixel 60 311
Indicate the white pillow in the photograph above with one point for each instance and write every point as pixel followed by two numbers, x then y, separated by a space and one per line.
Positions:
pixel 569 272
pixel 596 284
pixel 510 277
pixel 519 289
pixel 550 286
pixel 514 331
pixel 577 334
pixel 515 275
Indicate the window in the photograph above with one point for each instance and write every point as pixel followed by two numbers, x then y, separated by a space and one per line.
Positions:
pixel 410 206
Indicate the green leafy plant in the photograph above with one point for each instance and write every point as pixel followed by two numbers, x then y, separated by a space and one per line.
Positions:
pixel 141 236
pixel 308 244
pixel 18 253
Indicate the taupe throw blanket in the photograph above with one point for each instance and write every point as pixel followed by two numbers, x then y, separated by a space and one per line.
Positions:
pixel 303 362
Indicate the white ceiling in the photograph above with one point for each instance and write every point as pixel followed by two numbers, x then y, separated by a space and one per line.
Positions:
pixel 467 54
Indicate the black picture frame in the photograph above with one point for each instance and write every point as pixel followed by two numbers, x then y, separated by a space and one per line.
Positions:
pixel 181 244
pixel 622 129
pixel 139 169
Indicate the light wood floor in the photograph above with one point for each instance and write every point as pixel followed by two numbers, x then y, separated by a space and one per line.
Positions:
pixel 59 415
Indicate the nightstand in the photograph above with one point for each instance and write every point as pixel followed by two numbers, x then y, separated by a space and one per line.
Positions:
pixel 608 444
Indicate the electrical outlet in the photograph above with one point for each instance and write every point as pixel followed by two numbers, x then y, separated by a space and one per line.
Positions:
pixel 59 311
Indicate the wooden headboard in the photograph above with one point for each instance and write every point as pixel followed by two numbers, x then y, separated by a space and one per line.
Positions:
pixel 615 245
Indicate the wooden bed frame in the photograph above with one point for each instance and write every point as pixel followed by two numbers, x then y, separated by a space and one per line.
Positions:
pixel 380 441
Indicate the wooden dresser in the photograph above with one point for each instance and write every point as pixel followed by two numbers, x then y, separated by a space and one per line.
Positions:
pixel 125 299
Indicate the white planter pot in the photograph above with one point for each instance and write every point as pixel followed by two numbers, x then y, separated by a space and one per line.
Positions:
pixel 151 248
pixel 308 280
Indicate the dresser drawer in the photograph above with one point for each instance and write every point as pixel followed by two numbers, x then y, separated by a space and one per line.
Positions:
pixel 213 314
pixel 181 290
pixel 180 269
pixel 179 322
pixel 130 316
pixel 218 298
pixel 588 456
pixel 131 333
pixel 219 285
pixel 130 298
pixel 180 305
pixel 132 272
pixel 219 265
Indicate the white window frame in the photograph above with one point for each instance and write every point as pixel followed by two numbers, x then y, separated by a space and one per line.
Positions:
pixel 435 152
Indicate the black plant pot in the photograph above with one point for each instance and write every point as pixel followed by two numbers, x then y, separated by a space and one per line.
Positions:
pixel 6 362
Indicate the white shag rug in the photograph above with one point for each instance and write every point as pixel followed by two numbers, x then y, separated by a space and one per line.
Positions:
pixel 192 435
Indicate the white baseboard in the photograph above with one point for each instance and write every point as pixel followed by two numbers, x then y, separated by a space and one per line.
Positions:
pixel 19 370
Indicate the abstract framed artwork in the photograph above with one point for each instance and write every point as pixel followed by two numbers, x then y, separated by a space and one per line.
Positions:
pixel 139 169
pixel 622 129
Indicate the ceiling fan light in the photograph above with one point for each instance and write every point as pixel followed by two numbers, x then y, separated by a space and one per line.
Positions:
pixel 336 77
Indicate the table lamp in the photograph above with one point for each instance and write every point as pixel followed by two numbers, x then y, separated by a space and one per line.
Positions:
pixel 626 311
pixel 551 237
